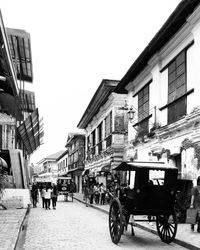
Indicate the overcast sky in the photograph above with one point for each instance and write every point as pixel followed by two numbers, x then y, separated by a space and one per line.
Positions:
pixel 75 44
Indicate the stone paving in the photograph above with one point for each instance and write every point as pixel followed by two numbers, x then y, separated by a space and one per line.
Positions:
pixel 185 237
pixel 44 225
pixel 10 225
pixel 74 226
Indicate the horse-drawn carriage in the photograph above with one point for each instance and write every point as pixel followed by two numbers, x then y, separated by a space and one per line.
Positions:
pixel 66 187
pixel 146 198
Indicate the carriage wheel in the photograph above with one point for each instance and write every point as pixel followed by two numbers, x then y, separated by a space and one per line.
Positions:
pixel 115 220
pixel 166 227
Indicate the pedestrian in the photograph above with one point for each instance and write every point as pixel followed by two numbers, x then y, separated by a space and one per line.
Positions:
pixel 91 193
pixel 96 193
pixel 110 194
pixel 34 194
pixel 102 193
pixel 42 196
pixel 117 189
pixel 83 189
pixel 47 197
pixel 86 195
pixel 54 196
pixel 195 203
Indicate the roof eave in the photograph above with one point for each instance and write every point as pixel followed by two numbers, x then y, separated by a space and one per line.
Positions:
pixel 100 97
pixel 167 31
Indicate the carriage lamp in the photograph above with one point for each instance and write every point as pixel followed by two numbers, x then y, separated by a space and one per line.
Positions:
pixel 138 191
pixel 131 113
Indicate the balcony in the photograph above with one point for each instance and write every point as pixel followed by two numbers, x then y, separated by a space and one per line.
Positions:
pixel 108 141
pixel 99 148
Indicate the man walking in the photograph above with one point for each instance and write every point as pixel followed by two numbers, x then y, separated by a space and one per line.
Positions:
pixel 195 203
pixel 34 195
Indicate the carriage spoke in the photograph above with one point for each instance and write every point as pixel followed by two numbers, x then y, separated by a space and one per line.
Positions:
pixel 166 227
pixel 170 229
pixel 162 229
pixel 115 221
pixel 172 225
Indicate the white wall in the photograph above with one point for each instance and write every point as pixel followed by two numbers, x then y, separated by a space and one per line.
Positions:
pixel 23 194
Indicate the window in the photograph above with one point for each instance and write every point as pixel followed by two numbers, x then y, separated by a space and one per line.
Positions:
pixel 93 138
pixel 88 143
pixel 99 139
pixel 143 110
pixel 76 156
pixel 20 47
pixel 177 88
pixel 99 131
pixel 108 125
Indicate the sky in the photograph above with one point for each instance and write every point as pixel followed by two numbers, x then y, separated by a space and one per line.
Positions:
pixel 75 44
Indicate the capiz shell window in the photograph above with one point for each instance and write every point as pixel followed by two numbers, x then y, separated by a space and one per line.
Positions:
pixel 177 88
pixel 108 125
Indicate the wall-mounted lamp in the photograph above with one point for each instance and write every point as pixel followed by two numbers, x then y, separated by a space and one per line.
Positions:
pixel 131 114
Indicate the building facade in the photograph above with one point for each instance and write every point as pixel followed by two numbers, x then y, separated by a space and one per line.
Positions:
pixel 76 154
pixel 48 168
pixel 106 126
pixel 163 95
pixel 20 130
pixel 62 163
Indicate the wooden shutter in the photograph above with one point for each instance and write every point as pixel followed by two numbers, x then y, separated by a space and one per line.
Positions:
pixel 177 88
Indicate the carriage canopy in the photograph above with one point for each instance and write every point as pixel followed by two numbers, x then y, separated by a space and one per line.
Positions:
pixel 150 165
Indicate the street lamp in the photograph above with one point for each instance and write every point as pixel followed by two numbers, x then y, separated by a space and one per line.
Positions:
pixel 131 114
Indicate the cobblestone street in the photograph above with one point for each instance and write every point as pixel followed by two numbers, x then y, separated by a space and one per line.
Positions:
pixel 74 226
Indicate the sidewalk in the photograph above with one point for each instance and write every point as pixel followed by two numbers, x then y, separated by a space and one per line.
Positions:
pixel 11 223
pixel 184 236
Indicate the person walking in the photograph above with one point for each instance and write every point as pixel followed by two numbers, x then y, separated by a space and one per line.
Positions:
pixel 47 197
pixel 195 203
pixel 91 193
pixel 54 196
pixel 42 196
pixel 96 193
pixel 34 195
pixel 102 194
pixel 86 194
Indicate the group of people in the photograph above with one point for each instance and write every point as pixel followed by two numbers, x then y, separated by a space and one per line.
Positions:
pixel 95 193
pixel 99 194
pixel 48 193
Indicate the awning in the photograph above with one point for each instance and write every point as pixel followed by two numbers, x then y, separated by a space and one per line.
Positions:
pixel 3 163
pixel 134 165
pixel 86 172
pixel 45 175
pixel 106 168
pixel 64 178
pixel 71 170
pixel 31 132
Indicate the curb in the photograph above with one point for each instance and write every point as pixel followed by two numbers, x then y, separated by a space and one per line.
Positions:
pixel 95 207
pixel 21 226
pixel 178 242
